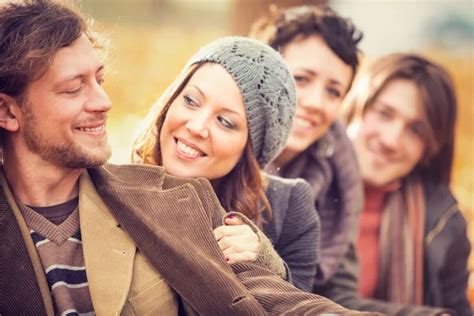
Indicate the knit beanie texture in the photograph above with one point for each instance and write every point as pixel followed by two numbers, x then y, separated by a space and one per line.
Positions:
pixel 266 85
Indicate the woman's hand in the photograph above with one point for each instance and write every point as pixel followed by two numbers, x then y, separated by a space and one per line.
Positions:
pixel 237 240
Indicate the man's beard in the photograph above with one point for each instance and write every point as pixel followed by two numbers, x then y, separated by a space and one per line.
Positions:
pixel 66 154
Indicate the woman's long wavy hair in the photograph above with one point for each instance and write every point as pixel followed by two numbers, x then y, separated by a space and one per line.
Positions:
pixel 439 101
pixel 242 189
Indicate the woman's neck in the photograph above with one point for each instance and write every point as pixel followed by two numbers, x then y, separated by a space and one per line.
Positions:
pixel 285 157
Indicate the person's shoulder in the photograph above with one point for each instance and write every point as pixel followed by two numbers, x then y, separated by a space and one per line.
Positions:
pixel 280 182
pixel 127 174
pixel 437 194
pixel 441 206
pixel 123 169
pixel 291 186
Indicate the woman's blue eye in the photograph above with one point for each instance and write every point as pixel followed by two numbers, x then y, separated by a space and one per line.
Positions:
pixel 226 122
pixel 189 101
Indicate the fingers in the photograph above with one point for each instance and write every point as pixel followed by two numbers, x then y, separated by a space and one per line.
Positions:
pixel 233 220
pixel 238 243
pixel 234 230
pixel 247 256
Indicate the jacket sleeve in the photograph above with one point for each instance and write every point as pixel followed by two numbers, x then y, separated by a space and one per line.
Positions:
pixel 275 295
pixel 298 244
pixel 454 275
pixel 278 297
pixel 342 289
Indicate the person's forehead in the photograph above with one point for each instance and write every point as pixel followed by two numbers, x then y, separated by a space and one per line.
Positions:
pixel 403 97
pixel 79 58
pixel 312 52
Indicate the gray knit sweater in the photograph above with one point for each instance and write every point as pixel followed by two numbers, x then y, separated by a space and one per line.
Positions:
pixel 294 228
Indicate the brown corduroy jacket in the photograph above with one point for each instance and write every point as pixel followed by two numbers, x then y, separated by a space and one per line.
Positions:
pixel 171 222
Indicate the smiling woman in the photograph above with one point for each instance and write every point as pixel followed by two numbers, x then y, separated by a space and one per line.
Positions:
pixel 206 131
pixel 226 116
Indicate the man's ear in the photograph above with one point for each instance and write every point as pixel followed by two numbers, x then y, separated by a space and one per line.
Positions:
pixel 9 111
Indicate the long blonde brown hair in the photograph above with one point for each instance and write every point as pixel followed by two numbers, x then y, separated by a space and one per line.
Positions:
pixel 241 190
pixel 439 101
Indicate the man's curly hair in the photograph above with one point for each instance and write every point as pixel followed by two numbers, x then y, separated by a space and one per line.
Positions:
pixel 31 32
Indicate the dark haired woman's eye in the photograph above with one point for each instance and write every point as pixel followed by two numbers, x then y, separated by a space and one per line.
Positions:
pixel 334 92
pixel 300 80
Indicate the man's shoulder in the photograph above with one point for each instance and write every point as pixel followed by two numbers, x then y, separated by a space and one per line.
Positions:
pixel 138 174
pixel 128 174
pixel 144 176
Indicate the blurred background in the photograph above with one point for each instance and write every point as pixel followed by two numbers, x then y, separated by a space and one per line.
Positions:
pixel 152 39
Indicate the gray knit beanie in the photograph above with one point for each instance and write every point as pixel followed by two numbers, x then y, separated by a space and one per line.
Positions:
pixel 266 85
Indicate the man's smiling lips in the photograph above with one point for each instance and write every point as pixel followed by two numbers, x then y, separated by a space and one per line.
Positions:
pixel 188 150
pixel 380 156
pixel 93 129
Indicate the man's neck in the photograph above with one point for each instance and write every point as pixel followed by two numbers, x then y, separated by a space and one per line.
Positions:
pixel 36 182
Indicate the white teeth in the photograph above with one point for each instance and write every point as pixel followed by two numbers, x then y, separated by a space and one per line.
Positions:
pixel 302 122
pixel 92 129
pixel 187 150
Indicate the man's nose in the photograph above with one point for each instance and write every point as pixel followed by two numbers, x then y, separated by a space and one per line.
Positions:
pixel 98 100
pixel 392 135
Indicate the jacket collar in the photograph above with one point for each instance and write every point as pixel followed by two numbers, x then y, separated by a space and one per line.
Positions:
pixel 108 251
pixel 108 255
pixel 28 283
pixel 185 255
pixel 128 176
pixel 438 201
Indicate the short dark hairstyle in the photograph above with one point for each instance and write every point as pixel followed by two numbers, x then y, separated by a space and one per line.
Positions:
pixel 281 27
pixel 31 32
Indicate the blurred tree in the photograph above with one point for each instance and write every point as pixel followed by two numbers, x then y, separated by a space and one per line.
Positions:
pixel 245 12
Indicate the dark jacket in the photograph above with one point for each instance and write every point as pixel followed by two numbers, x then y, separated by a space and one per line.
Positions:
pixel 171 221
pixel 294 228
pixel 445 263
pixel 330 166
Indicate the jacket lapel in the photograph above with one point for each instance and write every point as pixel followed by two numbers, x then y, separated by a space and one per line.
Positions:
pixel 173 231
pixel 108 252
pixel 22 275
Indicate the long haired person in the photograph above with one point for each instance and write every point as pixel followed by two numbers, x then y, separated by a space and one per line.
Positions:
pixel 413 247
pixel 224 118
